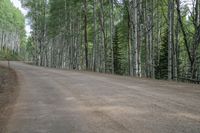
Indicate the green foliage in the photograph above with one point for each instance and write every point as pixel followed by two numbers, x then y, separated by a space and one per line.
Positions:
pixel 117 53
pixel 9 55
pixel 162 66
pixel 10 17
pixel 12 23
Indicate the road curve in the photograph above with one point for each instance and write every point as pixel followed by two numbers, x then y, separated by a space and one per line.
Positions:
pixel 58 101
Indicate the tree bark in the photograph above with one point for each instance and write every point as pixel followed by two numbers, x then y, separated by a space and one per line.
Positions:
pixel 170 38
pixel 86 35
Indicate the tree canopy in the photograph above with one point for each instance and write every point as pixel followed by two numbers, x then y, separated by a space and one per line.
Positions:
pixel 12 27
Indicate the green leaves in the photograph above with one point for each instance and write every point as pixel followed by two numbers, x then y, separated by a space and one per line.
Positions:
pixel 10 17
pixel 12 29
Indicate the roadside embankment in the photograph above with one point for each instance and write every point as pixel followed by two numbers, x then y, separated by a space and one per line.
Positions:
pixel 8 95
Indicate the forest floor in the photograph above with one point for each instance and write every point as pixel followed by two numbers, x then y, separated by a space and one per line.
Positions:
pixel 60 101
pixel 8 94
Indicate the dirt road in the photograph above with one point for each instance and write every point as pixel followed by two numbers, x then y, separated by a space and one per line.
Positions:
pixel 58 101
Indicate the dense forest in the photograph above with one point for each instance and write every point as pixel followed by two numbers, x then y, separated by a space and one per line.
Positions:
pixel 144 38
pixel 12 29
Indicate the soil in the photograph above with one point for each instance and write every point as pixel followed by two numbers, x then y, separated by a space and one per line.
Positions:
pixel 8 95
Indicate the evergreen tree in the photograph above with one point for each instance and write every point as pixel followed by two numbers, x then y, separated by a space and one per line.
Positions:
pixel 162 66
pixel 117 53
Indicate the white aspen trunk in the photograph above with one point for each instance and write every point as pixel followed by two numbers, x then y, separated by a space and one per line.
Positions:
pixel 1 39
pixel 158 30
pixel 44 49
pixel 170 38
pixel 95 39
pixel 136 65
pixel 146 39
pixel 129 49
pixel 103 53
pixel 86 34
pixel 111 34
pixel 150 48
pixel 98 52
pixel 79 46
pixel 152 41
pixel 140 38
pixel 198 24
pixel 198 12
pixel 176 52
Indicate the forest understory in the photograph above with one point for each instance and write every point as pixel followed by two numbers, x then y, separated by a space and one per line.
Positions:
pixel 8 95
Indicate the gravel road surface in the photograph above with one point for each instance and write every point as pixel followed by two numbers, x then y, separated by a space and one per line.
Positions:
pixel 58 101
